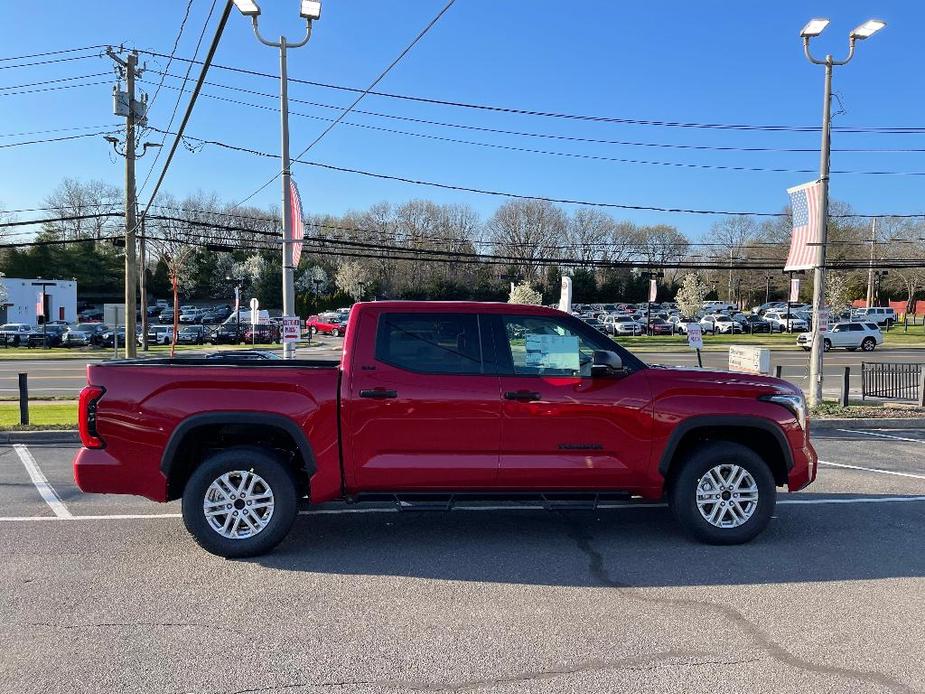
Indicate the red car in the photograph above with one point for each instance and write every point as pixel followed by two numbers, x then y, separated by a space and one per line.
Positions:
pixel 441 401
pixel 335 327
pixel 657 326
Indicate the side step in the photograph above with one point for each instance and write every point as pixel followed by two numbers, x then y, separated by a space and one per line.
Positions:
pixel 549 501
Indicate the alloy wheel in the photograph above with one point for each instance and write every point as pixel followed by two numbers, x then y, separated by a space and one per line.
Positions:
pixel 238 504
pixel 727 496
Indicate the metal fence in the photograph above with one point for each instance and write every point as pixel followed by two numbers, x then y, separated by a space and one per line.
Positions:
pixel 891 381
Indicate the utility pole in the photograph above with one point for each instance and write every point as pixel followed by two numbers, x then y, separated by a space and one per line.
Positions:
pixel 870 270
pixel 125 104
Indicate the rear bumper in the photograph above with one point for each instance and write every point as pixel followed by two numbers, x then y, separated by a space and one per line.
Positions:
pixel 97 472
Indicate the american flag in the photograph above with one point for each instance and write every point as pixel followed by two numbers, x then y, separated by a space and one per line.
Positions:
pixel 295 215
pixel 804 203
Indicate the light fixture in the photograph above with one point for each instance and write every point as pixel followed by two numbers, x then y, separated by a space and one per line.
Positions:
pixel 868 29
pixel 813 28
pixel 247 7
pixel 311 9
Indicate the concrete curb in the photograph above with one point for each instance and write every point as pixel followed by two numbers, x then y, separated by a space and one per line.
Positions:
pixel 869 423
pixel 41 436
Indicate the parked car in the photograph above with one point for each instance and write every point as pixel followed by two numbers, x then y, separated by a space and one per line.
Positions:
pixel 879 315
pixel 330 325
pixel 625 325
pixel 785 321
pixel 90 316
pixel 49 335
pixel 724 325
pixel 596 324
pixel 243 355
pixel 160 334
pixel 753 323
pixel 226 334
pixel 84 335
pixel 659 326
pixel 110 335
pixel 192 335
pixel 851 336
pixel 715 445
pixel 15 334
pixel 191 316
pixel 262 333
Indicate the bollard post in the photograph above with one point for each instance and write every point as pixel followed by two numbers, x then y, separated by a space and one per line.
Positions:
pixel 23 399
pixel 778 371
pixel 845 385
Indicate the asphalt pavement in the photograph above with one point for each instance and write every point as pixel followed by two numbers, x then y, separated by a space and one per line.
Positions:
pixel 108 593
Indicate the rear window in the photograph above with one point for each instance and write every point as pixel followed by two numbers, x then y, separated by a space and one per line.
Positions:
pixel 430 342
pixel 872 326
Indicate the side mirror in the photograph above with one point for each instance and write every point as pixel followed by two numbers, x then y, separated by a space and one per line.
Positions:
pixel 606 363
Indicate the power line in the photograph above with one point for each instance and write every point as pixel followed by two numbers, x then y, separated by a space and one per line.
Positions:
pixel 56 139
pixel 575 116
pixel 54 89
pixel 518 133
pixel 173 51
pixel 55 81
pixel 61 130
pixel 50 62
pixel 176 105
pixel 361 95
pixel 192 102
pixel 56 52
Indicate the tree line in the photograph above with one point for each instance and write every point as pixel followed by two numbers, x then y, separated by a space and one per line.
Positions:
pixel 421 249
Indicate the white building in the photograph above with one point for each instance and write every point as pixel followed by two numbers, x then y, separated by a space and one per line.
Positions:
pixel 25 298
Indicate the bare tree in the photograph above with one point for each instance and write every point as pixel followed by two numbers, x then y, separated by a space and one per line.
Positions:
pixel 75 198
pixel 528 230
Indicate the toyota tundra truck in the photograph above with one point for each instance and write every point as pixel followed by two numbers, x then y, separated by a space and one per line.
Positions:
pixel 441 403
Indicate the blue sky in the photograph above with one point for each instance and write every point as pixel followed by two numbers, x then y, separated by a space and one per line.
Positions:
pixel 708 62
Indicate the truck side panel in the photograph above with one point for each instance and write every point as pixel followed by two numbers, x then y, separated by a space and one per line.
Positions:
pixel 143 405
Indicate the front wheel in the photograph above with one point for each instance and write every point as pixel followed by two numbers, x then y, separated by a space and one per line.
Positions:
pixel 724 494
pixel 335 332
pixel 241 502
pixel 826 345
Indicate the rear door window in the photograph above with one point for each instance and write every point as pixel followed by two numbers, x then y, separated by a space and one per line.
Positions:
pixel 430 342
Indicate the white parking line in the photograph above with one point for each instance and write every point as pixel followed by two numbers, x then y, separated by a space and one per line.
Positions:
pixel 41 482
pixel 513 507
pixel 880 436
pixel 873 469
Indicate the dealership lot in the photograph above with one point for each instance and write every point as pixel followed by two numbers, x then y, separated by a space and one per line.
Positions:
pixel 110 594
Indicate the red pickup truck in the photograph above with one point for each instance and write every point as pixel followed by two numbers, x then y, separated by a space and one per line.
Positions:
pixel 442 402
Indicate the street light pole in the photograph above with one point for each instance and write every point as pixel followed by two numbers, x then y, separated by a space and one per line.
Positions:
pixel 812 29
pixel 310 11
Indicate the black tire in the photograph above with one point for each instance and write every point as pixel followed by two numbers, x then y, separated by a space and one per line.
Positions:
pixel 682 497
pixel 251 459
pixel 826 345
pixel 869 344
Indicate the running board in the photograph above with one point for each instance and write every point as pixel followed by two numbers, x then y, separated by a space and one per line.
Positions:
pixel 550 501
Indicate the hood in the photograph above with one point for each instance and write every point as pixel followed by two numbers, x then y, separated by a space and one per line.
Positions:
pixel 694 376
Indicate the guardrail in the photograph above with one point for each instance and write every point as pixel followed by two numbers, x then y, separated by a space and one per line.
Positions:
pixel 893 381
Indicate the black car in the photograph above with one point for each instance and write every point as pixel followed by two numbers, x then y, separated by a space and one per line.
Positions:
pixel 227 334
pixel 754 324
pixel 84 335
pixel 192 335
pixel 48 336
pixel 110 335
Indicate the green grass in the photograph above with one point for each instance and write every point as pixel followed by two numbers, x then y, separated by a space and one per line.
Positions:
pixel 43 415
pixel 782 341
pixel 20 353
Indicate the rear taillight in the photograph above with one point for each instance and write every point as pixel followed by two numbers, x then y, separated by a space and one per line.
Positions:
pixel 86 416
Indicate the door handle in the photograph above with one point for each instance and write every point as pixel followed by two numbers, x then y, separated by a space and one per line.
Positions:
pixel 522 395
pixel 379 394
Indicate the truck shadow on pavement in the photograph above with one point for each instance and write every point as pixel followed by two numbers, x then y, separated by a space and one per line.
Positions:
pixel 640 547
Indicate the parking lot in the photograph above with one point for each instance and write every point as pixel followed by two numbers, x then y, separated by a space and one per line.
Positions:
pixel 107 594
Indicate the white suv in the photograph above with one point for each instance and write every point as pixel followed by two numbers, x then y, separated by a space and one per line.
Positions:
pixel 854 335
pixel 879 315
pixel 622 325
pixel 780 320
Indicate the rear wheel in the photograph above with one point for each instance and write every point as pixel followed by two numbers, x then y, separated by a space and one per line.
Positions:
pixel 240 502
pixel 335 332
pixel 826 345
pixel 869 344
pixel 724 494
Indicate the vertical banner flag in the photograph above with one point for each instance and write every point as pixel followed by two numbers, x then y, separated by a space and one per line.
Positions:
pixel 653 290
pixel 565 297
pixel 295 216
pixel 794 290
pixel 804 204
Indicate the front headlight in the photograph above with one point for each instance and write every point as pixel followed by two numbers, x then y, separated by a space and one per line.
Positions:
pixel 794 403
